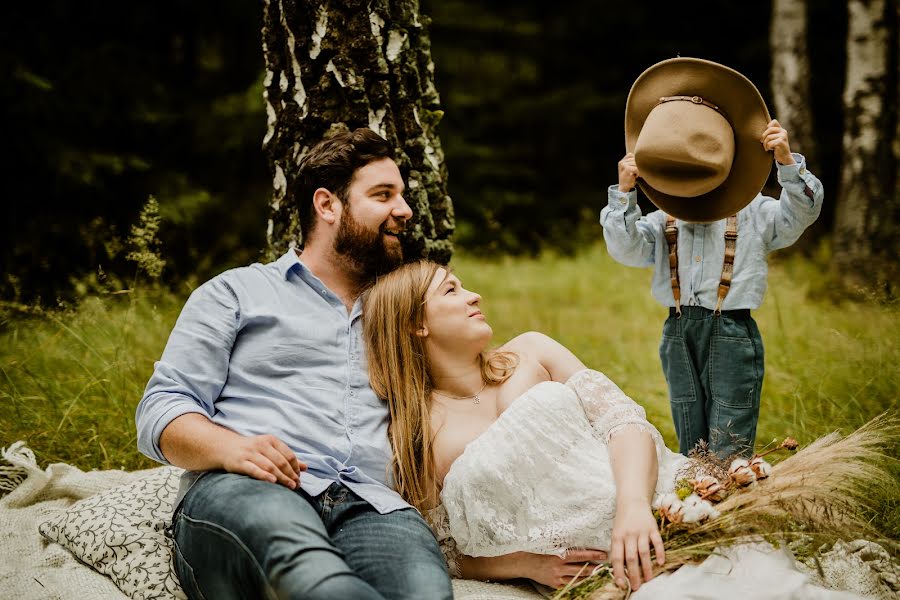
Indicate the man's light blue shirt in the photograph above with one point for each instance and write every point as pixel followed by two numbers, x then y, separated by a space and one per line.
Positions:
pixel 764 225
pixel 268 349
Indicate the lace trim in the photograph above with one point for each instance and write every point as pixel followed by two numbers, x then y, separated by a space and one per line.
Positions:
pixel 609 409
pixel 439 522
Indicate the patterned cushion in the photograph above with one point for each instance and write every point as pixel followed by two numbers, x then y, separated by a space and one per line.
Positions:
pixel 121 533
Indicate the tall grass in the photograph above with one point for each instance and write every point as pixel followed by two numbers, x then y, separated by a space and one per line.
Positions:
pixel 70 380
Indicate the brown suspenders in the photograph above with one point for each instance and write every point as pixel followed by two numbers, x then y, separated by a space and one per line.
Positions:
pixel 672 239
pixel 731 235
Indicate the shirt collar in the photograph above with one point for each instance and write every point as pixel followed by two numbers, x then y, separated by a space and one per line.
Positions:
pixel 288 262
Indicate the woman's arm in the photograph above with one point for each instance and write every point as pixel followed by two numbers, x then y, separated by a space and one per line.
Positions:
pixel 632 454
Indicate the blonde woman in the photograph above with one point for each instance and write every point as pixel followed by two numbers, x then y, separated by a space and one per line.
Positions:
pixel 521 457
pixel 526 463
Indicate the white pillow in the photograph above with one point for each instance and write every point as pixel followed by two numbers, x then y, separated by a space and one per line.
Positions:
pixel 121 533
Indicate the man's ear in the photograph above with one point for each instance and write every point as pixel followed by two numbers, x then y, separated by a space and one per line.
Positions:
pixel 422 331
pixel 326 205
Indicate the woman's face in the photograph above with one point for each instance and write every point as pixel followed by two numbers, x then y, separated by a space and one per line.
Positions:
pixel 452 314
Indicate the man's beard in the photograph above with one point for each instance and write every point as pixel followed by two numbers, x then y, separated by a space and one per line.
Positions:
pixel 366 250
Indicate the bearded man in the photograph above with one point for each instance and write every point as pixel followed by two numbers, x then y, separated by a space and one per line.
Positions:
pixel 262 395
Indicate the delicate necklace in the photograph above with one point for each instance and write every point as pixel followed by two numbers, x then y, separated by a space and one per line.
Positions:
pixel 475 396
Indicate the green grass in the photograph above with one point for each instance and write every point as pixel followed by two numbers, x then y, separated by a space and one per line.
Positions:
pixel 828 366
pixel 70 380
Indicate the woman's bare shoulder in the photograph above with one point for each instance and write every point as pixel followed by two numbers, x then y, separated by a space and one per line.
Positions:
pixel 556 359
pixel 530 343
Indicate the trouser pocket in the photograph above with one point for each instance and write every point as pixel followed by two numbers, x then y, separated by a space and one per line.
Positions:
pixel 676 364
pixel 687 409
pixel 735 382
pixel 182 567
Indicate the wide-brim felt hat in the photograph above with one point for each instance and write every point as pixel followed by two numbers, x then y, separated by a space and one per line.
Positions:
pixel 695 128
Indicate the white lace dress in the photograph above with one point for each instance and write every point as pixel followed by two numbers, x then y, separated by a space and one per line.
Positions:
pixel 539 478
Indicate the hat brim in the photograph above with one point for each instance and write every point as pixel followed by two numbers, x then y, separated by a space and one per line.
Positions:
pixel 741 104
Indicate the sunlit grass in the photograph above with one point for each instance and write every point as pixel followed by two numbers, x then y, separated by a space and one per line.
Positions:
pixel 70 380
pixel 828 366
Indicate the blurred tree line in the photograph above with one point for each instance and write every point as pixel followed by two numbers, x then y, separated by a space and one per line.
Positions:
pixel 105 104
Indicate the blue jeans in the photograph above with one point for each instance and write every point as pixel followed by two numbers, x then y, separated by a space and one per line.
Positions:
pixel 238 537
pixel 714 367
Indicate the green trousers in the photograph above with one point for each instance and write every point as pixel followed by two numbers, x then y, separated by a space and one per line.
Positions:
pixel 714 368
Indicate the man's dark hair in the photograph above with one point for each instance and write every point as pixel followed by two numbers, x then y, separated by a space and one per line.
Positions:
pixel 331 164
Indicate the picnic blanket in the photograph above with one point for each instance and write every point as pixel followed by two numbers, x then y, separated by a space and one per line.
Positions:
pixel 107 528
pixel 34 568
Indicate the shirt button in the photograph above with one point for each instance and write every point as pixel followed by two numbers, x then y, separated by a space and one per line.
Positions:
pixel 802 170
pixel 623 201
pixel 697 258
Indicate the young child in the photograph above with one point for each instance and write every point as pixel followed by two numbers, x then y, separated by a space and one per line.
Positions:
pixel 700 143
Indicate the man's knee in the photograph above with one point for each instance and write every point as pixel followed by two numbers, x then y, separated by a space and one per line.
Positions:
pixel 425 580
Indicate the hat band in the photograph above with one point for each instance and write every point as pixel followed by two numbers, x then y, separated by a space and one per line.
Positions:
pixel 692 99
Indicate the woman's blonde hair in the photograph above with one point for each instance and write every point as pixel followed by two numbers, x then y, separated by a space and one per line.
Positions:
pixel 399 373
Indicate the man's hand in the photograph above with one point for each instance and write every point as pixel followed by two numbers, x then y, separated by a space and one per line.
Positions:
pixel 634 529
pixel 263 457
pixel 775 138
pixel 628 173
pixel 556 572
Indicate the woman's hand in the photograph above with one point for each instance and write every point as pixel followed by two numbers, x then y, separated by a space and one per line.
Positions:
pixel 548 569
pixel 634 529
pixel 556 572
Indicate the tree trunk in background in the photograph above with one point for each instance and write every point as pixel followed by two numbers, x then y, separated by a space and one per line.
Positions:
pixel 341 64
pixel 791 75
pixel 867 224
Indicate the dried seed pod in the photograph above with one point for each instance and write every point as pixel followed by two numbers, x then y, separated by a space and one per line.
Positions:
pixel 760 467
pixel 741 473
pixel 708 488
pixel 789 443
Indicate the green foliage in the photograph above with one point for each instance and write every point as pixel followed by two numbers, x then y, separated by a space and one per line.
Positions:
pixel 145 241
pixel 70 380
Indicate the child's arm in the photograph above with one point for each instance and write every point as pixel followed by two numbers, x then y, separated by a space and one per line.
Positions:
pixel 782 222
pixel 630 237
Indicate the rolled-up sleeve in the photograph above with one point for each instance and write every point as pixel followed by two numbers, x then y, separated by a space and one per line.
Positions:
pixel 781 222
pixel 194 366
pixel 630 237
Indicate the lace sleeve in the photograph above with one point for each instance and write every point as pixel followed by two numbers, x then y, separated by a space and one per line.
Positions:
pixel 439 522
pixel 608 409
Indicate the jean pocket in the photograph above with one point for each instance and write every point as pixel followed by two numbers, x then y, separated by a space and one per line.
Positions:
pixel 183 568
pixel 733 371
pixel 677 369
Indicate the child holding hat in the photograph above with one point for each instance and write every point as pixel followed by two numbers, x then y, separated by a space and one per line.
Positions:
pixel 699 143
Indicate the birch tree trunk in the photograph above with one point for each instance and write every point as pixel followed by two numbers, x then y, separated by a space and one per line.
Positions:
pixel 341 64
pixel 791 75
pixel 867 224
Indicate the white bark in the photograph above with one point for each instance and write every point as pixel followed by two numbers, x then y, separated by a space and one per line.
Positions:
pixel 791 74
pixel 866 227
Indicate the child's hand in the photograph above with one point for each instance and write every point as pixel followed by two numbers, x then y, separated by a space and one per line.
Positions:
pixel 776 138
pixel 628 173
